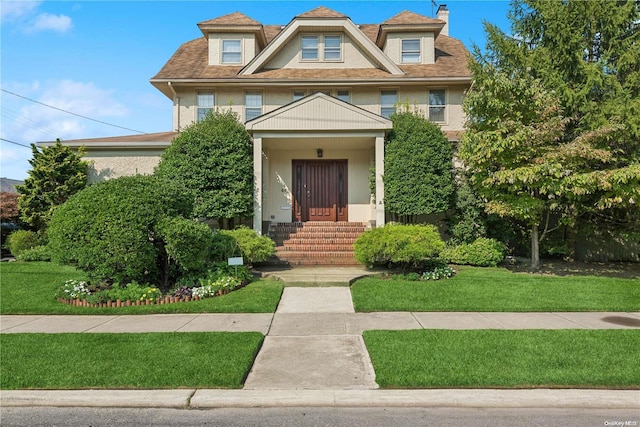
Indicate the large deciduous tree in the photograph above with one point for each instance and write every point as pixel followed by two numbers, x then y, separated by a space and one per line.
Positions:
pixel 418 167
pixel 554 115
pixel 57 172
pixel 214 159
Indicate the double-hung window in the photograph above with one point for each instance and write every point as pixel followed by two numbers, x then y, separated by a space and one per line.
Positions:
pixel 388 101
pixel 253 105
pixel 332 50
pixel 309 48
pixel 231 52
pixel 437 104
pixel 411 51
pixel 343 95
pixel 205 104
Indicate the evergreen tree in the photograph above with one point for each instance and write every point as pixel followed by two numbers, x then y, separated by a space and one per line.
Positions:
pixel 418 167
pixel 553 115
pixel 57 172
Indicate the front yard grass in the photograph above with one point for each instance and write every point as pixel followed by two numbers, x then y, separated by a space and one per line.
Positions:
pixel 505 358
pixel 126 361
pixel 497 289
pixel 29 288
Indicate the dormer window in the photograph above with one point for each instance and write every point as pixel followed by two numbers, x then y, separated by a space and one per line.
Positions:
pixel 309 48
pixel 231 52
pixel 411 51
pixel 332 51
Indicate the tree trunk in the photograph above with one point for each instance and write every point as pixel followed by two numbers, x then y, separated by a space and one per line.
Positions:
pixel 535 248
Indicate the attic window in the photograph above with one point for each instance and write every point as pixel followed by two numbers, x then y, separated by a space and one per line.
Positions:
pixel 309 48
pixel 231 52
pixel 410 51
pixel 332 48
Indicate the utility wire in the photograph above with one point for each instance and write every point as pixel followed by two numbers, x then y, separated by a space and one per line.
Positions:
pixel 13 142
pixel 69 112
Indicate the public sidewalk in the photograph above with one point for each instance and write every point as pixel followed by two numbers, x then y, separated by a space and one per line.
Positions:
pixel 314 355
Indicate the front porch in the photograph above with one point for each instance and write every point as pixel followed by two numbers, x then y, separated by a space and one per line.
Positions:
pixel 312 162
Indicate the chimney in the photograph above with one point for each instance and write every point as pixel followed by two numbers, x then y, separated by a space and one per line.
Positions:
pixel 443 15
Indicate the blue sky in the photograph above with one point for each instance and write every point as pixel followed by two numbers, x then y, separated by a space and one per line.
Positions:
pixel 95 58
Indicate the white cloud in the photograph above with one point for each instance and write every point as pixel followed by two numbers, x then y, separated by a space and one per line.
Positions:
pixel 29 18
pixel 47 21
pixel 26 122
pixel 12 10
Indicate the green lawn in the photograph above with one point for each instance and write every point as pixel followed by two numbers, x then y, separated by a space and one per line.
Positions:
pixel 124 361
pixel 505 358
pixel 497 289
pixel 29 288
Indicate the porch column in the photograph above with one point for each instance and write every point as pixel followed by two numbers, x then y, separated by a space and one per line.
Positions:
pixel 257 185
pixel 379 183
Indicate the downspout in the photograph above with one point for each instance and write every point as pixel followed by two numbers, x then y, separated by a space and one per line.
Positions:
pixel 176 99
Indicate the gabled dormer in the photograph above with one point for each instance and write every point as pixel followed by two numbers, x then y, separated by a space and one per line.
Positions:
pixel 233 39
pixel 321 39
pixel 409 38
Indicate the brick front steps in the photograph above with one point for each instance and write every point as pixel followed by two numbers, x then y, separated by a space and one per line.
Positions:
pixel 315 242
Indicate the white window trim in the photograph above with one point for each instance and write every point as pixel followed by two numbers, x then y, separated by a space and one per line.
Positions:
pixel 317 58
pixel 445 113
pixel 419 51
pixel 198 107
pixel 324 48
pixel 248 92
pixel 222 51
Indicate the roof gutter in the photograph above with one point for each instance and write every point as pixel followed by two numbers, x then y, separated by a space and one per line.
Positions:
pixel 176 101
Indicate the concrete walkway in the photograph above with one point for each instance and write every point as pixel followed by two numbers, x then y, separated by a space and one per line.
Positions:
pixel 313 355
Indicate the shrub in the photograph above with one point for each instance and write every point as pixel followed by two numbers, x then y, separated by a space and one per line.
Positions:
pixel 36 253
pixel 400 244
pixel 187 242
pixel 110 229
pixel 483 253
pixel 252 247
pixel 21 240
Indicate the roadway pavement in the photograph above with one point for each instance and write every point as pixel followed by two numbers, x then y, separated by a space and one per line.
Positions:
pixel 314 355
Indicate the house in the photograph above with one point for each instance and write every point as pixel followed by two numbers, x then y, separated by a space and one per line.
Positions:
pixel 315 95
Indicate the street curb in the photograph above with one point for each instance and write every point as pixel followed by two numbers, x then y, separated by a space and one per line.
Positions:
pixel 432 398
pixel 97 398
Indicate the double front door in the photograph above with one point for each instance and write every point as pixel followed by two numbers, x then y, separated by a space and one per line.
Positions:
pixel 320 190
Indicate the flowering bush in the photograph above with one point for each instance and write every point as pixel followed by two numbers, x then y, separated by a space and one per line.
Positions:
pixel 210 287
pixel 73 289
pixel 438 273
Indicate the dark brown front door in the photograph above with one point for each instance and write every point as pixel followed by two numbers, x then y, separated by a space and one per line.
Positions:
pixel 320 190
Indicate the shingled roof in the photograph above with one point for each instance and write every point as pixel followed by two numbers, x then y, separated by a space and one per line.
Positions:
pixel 410 18
pixel 321 12
pixel 190 61
pixel 235 18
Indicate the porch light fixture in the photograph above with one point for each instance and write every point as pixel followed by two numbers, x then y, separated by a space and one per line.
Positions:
pixel 319 152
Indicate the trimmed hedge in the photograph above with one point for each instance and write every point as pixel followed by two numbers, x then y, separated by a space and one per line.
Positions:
pixel 482 252
pixel 22 240
pixel 399 244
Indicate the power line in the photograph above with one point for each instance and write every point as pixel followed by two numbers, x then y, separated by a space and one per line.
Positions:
pixel 70 112
pixel 13 142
